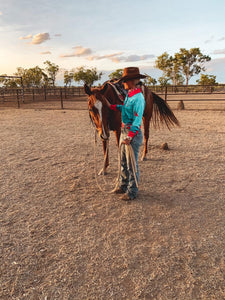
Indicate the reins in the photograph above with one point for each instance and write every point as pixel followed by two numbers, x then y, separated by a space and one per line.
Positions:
pixel 132 161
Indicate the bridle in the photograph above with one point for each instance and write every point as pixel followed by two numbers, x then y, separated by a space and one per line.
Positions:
pixel 98 106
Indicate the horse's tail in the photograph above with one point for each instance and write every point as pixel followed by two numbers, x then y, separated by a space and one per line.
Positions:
pixel 162 113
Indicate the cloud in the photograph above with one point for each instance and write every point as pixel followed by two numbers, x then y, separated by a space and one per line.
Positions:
pixel 112 56
pixel 209 40
pixel 29 36
pixel 0 13
pixel 131 58
pixel 115 57
pixel 219 51
pixel 40 38
pixel 46 52
pixel 79 51
pixel 221 39
pixel 57 34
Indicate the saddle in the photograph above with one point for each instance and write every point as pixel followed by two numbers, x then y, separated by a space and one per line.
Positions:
pixel 119 89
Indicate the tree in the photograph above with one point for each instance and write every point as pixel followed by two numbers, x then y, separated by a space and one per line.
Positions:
pixel 117 74
pixel 179 79
pixel 52 70
pixel 164 81
pixel 170 67
pixel 88 76
pixel 68 77
pixel 149 80
pixel 33 77
pixel 207 80
pixel 9 82
pixel 191 62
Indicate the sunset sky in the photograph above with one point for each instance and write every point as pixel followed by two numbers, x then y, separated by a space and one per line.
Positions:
pixel 109 35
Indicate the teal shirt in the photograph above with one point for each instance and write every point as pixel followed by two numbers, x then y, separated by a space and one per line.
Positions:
pixel 132 111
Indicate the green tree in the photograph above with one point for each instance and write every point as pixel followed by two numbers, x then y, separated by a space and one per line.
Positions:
pixel 191 62
pixel 164 81
pixel 170 67
pixel 179 79
pixel 207 80
pixel 68 77
pixel 9 82
pixel 52 70
pixel 32 77
pixel 149 80
pixel 88 76
pixel 117 74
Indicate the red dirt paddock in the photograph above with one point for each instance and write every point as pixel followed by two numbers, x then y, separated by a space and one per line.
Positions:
pixel 61 238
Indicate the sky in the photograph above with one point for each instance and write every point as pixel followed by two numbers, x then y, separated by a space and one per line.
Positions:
pixel 109 35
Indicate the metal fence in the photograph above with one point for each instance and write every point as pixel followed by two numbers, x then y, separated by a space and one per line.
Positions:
pixel 26 97
pixel 71 97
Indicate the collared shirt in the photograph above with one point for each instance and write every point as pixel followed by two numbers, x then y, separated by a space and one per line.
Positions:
pixel 132 110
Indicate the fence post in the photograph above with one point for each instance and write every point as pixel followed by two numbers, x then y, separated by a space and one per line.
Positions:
pixel 45 93
pixel 22 86
pixel 61 97
pixel 65 90
pixel 3 97
pixel 18 98
pixel 166 93
pixel 33 94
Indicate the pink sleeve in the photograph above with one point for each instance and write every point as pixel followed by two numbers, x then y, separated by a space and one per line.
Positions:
pixel 132 134
pixel 113 107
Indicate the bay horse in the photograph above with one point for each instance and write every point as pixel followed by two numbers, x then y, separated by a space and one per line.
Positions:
pixel 156 109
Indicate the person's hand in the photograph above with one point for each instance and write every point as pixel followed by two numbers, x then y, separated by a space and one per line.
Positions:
pixel 126 141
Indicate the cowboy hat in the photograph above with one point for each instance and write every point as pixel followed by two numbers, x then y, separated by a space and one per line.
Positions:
pixel 131 73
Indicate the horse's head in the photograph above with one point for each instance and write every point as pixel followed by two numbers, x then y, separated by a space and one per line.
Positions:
pixel 97 110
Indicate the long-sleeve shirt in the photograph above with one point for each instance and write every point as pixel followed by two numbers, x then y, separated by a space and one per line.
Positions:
pixel 132 110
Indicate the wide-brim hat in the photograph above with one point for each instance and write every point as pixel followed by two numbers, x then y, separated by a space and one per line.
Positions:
pixel 131 73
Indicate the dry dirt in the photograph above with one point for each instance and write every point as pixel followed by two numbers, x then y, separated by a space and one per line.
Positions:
pixel 61 238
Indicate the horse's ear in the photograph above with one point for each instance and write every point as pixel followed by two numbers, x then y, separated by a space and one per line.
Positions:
pixel 87 89
pixel 104 88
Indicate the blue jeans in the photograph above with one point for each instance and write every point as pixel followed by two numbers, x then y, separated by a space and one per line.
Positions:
pixel 127 182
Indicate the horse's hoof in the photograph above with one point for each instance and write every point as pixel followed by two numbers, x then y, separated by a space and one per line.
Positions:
pixel 102 172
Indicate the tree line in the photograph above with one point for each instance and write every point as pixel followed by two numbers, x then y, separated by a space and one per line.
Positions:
pixel 177 70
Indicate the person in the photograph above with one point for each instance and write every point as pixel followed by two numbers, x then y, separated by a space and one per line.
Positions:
pixel 131 134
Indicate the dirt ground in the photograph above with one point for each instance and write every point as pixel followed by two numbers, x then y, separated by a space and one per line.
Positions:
pixel 61 238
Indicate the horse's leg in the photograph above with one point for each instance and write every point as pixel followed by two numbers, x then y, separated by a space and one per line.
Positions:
pixel 146 121
pixel 117 134
pixel 106 157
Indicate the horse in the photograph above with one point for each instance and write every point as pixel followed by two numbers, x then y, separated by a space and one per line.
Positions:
pixel 106 120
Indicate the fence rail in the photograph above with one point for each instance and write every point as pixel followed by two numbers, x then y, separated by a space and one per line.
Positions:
pixel 24 97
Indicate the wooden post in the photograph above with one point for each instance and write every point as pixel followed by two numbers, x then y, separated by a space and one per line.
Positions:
pixel 33 94
pixel 166 93
pixel 65 90
pixel 45 93
pixel 18 98
pixel 22 86
pixel 3 97
pixel 61 97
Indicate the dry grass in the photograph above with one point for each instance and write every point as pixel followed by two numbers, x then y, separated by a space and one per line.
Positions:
pixel 61 238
